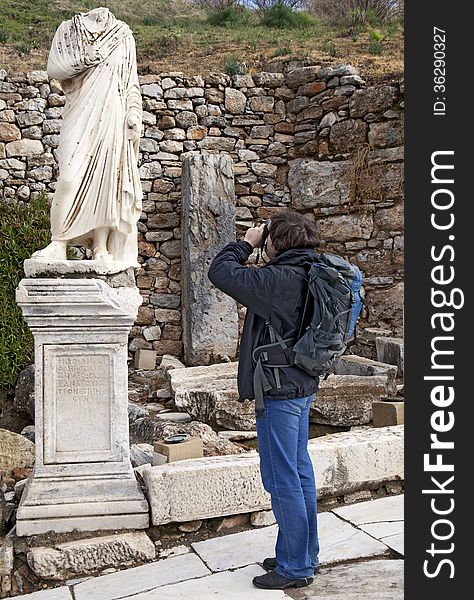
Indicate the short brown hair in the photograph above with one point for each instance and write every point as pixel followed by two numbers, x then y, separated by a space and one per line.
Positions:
pixel 289 229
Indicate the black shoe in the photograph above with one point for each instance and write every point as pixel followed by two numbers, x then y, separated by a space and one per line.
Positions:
pixel 274 581
pixel 271 563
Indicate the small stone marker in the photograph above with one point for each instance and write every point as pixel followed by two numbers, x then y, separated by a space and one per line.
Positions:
pixel 145 359
pixel 190 448
pixel 388 411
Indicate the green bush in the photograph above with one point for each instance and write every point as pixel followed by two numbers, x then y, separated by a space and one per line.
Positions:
pixel 375 47
pixel 332 49
pixel 24 228
pixel 231 66
pixel 232 16
pixel 280 16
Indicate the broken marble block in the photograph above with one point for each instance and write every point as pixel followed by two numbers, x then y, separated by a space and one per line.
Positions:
pixel 77 558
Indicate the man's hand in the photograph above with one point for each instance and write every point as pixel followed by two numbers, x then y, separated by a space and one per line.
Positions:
pixel 254 235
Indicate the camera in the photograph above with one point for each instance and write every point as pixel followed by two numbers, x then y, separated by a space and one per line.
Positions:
pixel 263 243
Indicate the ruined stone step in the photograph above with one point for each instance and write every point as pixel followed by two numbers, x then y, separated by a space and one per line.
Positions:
pixel 351 364
pixel 210 394
pixel 203 488
pixel 347 399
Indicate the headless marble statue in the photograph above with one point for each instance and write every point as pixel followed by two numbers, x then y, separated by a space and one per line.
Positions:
pixel 98 197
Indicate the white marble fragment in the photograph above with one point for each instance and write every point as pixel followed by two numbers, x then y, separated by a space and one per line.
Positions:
pixel 141 579
pixel 231 585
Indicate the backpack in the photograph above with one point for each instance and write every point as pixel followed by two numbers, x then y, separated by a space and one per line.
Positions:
pixel 333 305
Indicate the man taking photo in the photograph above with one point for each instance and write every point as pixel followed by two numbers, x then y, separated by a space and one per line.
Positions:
pixel 275 297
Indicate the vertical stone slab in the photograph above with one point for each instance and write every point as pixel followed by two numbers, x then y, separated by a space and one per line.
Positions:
pixel 83 478
pixel 210 322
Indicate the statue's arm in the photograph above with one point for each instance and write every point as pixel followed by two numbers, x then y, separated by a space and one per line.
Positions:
pixel 134 98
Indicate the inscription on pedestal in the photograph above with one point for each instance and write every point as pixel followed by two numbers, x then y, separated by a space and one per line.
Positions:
pixel 78 401
pixel 82 386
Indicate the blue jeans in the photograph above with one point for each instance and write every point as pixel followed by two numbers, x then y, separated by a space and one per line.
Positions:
pixel 287 475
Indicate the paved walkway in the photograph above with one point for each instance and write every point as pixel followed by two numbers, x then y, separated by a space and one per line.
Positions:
pixel 366 537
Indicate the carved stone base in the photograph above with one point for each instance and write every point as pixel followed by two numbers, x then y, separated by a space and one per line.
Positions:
pixel 83 478
pixel 82 504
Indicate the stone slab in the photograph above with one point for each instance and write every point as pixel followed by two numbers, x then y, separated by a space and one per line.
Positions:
pixel 50 267
pixel 141 579
pixel 390 508
pixel 315 184
pixel 395 542
pixel 176 417
pixel 203 376
pixel 347 399
pixel 383 529
pixel 68 524
pixel 210 323
pixel 351 364
pixel 339 541
pixel 237 549
pixel 61 593
pixel 391 350
pixel 343 462
pixel 87 556
pixel 371 580
pixel 114 502
pixel 230 585
pixel 203 488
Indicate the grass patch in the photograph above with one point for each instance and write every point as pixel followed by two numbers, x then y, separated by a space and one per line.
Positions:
pixel 177 36
pixel 284 51
pixel 24 228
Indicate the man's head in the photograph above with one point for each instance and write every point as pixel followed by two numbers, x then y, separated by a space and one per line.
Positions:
pixel 288 230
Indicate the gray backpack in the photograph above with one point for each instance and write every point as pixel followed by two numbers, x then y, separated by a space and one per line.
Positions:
pixel 333 305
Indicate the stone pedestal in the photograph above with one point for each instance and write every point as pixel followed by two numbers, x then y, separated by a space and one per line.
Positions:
pixel 83 479
pixel 210 321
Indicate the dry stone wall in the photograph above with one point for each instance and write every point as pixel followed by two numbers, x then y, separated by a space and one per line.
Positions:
pixel 319 140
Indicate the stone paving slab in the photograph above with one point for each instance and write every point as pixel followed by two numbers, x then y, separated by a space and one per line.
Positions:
pixel 339 541
pixel 229 585
pixel 372 580
pixel 61 593
pixel 237 549
pixel 389 508
pixel 395 542
pixel 383 529
pixel 140 579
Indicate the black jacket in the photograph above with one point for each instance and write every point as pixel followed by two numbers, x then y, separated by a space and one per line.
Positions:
pixel 276 293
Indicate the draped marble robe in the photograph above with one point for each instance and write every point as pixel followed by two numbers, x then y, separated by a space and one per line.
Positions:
pixel 93 56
